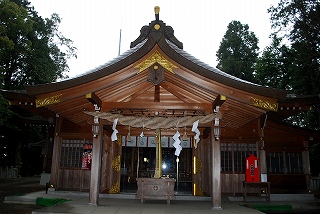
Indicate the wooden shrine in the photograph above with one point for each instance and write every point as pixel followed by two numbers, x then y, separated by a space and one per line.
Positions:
pixel 128 110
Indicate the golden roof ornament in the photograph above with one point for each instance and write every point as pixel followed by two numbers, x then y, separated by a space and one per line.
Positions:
pixel 157 11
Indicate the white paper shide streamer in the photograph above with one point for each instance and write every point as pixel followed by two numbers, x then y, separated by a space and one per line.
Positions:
pixel 142 134
pixel 196 130
pixel 115 131
pixel 176 143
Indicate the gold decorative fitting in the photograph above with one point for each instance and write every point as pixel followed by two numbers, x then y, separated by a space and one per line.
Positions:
pixel 156 9
pixel 156 57
pixel 116 163
pixel 115 188
pixel 222 97
pixel 264 104
pixel 156 26
pixel 119 138
pixel 48 101
pixel 197 191
pixel 197 165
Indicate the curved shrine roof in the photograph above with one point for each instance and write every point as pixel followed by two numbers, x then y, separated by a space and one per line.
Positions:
pixel 164 38
pixel 157 76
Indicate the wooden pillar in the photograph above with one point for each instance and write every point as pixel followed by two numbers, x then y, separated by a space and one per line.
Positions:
pixel 216 153
pixel 158 170
pixel 216 170
pixel 56 153
pixel 197 189
pixel 46 148
pixel 262 153
pixel 306 165
pixel 96 168
pixel 306 159
pixel 111 165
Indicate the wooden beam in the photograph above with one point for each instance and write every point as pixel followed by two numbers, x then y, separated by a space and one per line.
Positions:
pixel 175 92
pixel 137 92
pixel 219 101
pixel 156 93
pixel 94 99
pixel 107 106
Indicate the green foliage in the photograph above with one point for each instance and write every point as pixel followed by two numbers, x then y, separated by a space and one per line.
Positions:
pixel 272 68
pixel 297 23
pixel 32 51
pixel 238 51
pixel 30 46
pixel 292 61
pixel 5 112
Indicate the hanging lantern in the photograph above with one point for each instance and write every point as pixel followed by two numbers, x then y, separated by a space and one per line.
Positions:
pixel 216 131
pixel 216 128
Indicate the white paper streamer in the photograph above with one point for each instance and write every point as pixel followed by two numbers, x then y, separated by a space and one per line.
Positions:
pixel 176 136
pixel 176 143
pixel 196 130
pixel 115 131
pixel 178 150
pixel 142 135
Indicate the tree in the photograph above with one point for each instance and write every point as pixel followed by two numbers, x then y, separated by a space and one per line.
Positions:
pixel 299 23
pixel 296 65
pixel 30 46
pixel 238 51
pixel 272 68
pixel 5 112
pixel 32 51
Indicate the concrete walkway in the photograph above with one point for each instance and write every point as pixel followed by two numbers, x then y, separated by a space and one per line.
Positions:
pixel 128 204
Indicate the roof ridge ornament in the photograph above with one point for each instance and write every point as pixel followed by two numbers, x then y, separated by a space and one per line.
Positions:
pixel 156 12
pixel 156 30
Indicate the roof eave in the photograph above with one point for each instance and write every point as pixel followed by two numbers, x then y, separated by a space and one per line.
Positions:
pixel 115 65
pixel 207 72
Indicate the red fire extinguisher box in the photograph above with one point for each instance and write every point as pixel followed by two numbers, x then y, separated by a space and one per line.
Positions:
pixel 252 169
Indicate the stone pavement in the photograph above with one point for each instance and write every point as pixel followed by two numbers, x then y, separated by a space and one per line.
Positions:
pixel 128 204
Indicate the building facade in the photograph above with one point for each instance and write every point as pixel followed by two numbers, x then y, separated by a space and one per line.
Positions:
pixel 116 123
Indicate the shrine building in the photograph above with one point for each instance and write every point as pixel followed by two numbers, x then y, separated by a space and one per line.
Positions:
pixel 156 111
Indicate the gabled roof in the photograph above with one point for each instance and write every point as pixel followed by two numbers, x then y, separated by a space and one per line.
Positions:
pixel 171 47
pixel 157 75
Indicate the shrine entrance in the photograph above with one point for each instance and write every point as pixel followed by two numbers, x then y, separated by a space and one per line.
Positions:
pixel 139 161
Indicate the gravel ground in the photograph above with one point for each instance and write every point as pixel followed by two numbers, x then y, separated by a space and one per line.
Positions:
pixel 17 187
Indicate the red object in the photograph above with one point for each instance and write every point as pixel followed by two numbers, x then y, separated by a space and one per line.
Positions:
pixel 87 156
pixel 252 169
